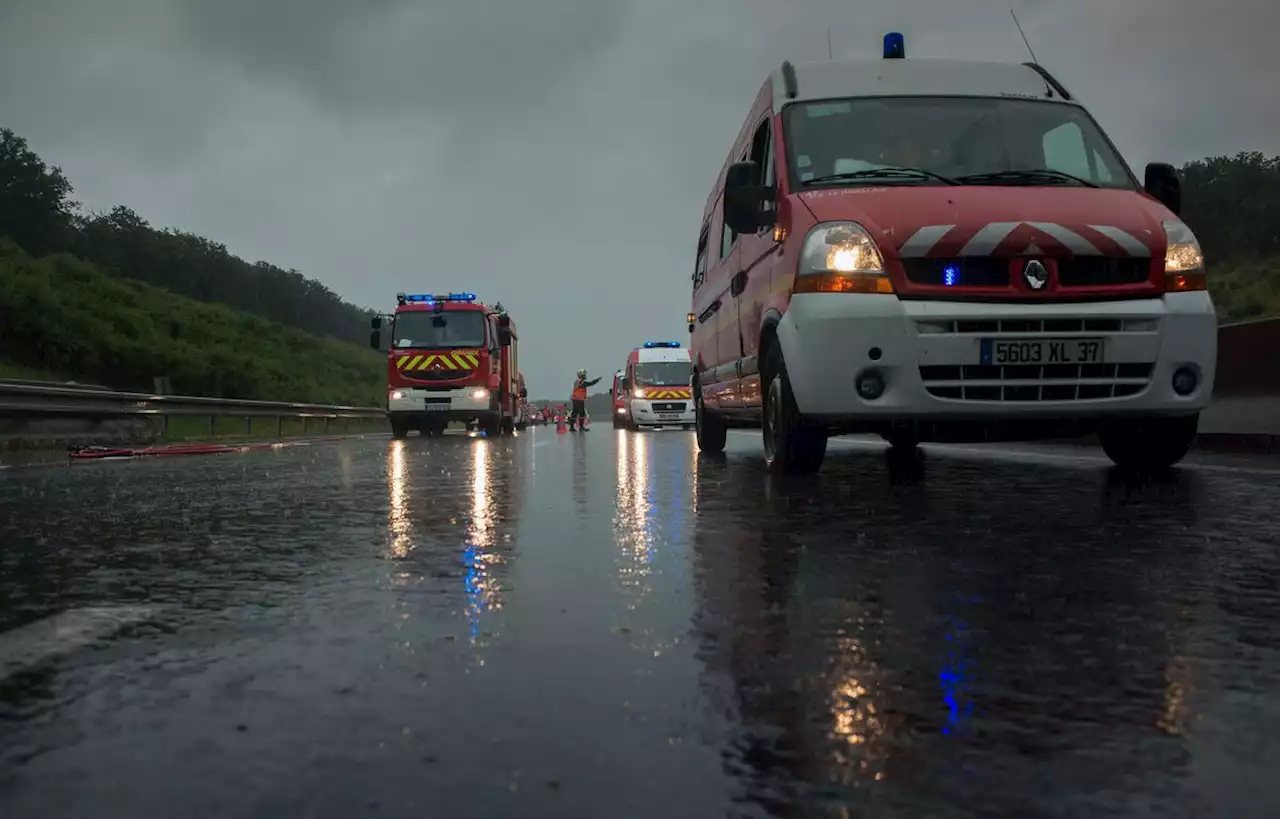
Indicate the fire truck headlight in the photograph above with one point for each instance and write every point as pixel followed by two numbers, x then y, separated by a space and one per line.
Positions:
pixel 396 395
pixel 480 395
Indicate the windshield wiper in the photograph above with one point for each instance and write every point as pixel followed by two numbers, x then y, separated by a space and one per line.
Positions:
pixel 883 173
pixel 1033 176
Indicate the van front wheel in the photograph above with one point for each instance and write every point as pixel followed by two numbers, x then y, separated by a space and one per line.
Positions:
pixel 792 445
pixel 1148 444
pixel 711 431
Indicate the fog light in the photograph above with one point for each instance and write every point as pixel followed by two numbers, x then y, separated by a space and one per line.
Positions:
pixel 396 395
pixel 480 395
pixel 1184 381
pixel 622 410
pixel 870 385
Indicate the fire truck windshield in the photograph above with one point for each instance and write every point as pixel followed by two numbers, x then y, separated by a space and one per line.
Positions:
pixel 662 374
pixel 436 331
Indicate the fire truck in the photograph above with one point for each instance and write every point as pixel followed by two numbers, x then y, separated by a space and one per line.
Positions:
pixel 449 358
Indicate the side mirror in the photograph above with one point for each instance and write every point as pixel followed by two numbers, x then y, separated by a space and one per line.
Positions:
pixel 504 337
pixel 744 200
pixel 524 393
pixel 375 340
pixel 376 323
pixel 1162 182
pixel 504 322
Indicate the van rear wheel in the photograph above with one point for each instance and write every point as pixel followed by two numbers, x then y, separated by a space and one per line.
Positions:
pixel 792 444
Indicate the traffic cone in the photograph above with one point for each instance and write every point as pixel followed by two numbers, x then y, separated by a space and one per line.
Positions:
pixel 560 424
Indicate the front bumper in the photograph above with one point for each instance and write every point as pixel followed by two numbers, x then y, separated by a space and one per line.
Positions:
pixel 928 354
pixel 673 413
pixel 462 403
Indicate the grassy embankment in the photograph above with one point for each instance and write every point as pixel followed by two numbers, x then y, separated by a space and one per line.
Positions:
pixel 63 319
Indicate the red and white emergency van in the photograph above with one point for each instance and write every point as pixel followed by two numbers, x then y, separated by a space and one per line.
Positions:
pixel 944 250
pixel 656 386
pixel 450 358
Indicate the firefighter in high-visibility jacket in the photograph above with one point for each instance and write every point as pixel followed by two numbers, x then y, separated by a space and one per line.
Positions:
pixel 579 398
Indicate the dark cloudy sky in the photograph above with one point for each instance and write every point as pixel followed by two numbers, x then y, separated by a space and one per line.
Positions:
pixel 553 154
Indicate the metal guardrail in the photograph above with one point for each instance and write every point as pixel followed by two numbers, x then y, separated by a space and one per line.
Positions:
pixel 34 398
pixel 28 401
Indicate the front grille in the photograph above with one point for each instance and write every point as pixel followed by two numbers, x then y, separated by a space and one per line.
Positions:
pixel 1095 271
pixel 678 406
pixel 994 271
pixel 1026 326
pixel 1032 382
pixel 438 375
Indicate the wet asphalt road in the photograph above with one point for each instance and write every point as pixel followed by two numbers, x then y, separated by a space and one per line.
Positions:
pixel 608 625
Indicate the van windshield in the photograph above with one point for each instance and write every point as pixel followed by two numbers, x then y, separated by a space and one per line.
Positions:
pixel 662 374
pixel 967 140
pixel 438 331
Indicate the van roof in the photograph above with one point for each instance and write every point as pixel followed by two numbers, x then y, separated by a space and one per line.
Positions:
pixel 914 77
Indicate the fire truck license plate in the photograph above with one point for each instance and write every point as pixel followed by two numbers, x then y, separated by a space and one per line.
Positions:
pixel 437 406
pixel 1047 351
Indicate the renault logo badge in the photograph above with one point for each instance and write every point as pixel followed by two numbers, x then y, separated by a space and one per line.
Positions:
pixel 1035 274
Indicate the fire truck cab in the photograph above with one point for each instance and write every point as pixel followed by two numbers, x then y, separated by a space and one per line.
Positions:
pixel 450 358
pixel 942 250
pixel 655 384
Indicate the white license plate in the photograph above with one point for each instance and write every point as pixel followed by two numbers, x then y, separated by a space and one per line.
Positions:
pixel 668 416
pixel 1041 351
pixel 437 406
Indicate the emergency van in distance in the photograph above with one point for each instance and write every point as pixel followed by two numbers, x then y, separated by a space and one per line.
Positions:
pixel 656 386
pixel 941 250
pixel 450 358
pixel 620 416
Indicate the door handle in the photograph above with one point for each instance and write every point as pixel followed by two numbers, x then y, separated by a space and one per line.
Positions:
pixel 738 284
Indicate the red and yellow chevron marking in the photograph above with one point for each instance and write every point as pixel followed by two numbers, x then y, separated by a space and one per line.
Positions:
pixel 452 360
pixel 678 392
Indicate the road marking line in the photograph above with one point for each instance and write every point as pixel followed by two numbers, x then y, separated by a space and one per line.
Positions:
pixel 61 634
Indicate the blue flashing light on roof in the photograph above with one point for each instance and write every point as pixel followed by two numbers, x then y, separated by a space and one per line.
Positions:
pixel 649 345
pixel 427 298
pixel 895 47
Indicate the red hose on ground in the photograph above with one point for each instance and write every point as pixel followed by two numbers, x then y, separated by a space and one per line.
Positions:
pixel 93 453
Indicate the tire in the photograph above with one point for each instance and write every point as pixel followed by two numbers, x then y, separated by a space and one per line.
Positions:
pixel 399 429
pixel 710 429
pixel 1149 444
pixel 507 427
pixel 618 423
pixel 792 445
pixel 902 441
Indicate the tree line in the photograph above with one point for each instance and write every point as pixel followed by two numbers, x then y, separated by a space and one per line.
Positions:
pixel 37 211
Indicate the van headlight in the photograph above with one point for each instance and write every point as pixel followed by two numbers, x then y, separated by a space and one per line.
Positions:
pixel 841 257
pixel 1183 259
